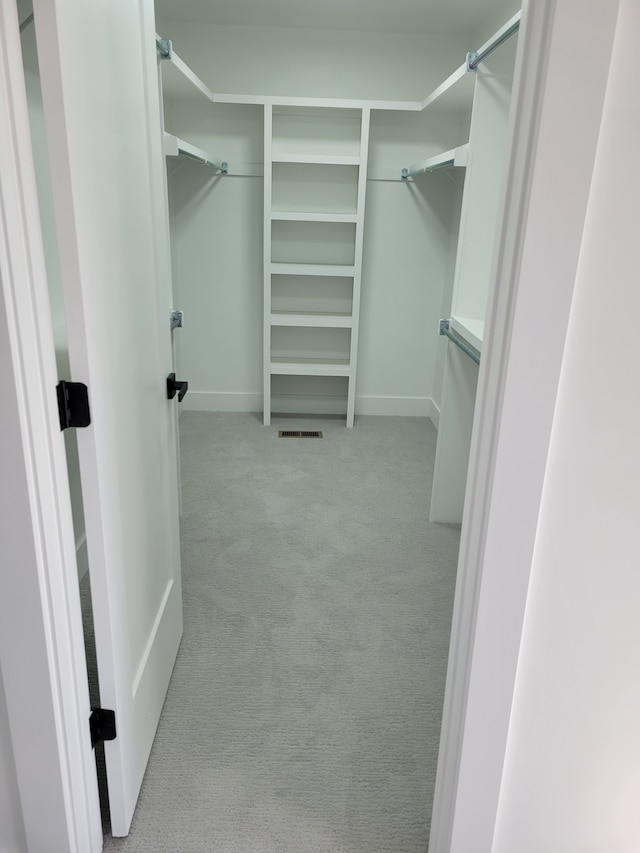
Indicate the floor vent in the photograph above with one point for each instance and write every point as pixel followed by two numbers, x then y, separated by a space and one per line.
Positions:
pixel 292 433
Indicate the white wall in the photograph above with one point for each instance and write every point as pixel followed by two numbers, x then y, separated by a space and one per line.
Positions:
pixel 572 772
pixel 410 235
pixel 12 837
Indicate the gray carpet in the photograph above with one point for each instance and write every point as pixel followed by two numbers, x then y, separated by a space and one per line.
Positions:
pixel 304 709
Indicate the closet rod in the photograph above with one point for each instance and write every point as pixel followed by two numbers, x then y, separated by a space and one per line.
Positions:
pixel 474 59
pixel 410 173
pixel 220 165
pixel 446 331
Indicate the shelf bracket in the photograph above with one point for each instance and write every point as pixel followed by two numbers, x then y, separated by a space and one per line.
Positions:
pixel 164 48
pixel 472 61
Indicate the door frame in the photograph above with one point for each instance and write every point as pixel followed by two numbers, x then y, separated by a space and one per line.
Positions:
pixel 40 613
pixel 46 608
pixel 559 92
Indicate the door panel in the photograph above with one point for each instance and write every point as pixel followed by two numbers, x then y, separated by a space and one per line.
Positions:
pixel 101 104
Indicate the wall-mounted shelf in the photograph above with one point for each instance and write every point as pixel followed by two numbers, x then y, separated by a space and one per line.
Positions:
pixel 178 80
pixel 295 216
pixel 176 147
pixel 319 159
pixel 312 269
pixel 456 157
pixel 326 321
pixel 455 94
pixel 310 367
pixel 470 330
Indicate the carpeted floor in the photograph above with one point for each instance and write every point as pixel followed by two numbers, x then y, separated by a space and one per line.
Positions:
pixel 304 709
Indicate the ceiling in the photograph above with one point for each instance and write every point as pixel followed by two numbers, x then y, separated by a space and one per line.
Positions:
pixel 399 16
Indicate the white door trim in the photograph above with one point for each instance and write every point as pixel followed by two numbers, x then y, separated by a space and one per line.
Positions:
pixel 41 640
pixel 558 98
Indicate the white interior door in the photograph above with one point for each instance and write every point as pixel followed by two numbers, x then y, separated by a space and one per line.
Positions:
pixel 99 82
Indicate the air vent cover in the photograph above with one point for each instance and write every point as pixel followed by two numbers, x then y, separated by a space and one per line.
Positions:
pixel 291 433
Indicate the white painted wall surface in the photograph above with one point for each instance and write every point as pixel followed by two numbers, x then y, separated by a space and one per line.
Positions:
pixel 316 63
pixel 12 837
pixel 572 773
pixel 407 234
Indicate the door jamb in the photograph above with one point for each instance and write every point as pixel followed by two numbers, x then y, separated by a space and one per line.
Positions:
pixel 533 281
pixel 40 614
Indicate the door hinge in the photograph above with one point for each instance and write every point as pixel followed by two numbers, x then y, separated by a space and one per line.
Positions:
pixel 102 724
pixel 73 404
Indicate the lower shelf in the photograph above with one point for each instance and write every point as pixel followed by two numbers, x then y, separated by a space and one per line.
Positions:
pixel 317 320
pixel 310 367
pixel 469 329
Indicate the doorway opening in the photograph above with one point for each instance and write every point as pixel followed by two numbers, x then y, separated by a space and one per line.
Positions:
pixel 182 182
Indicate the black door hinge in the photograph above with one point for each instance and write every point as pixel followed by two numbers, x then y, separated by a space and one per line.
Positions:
pixel 73 404
pixel 102 723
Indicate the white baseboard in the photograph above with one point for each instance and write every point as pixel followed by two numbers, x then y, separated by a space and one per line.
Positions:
pixel 222 401
pixel 312 404
pixel 212 401
pixel 434 414
pixel 408 407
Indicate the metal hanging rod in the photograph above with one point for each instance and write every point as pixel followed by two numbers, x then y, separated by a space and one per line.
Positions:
pixel 410 173
pixel 446 331
pixel 164 48
pixel 220 165
pixel 509 29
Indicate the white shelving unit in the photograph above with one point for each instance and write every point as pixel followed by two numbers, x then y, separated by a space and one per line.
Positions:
pixel 480 210
pixel 314 197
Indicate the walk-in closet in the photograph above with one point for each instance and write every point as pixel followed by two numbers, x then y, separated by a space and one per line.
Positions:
pixel 321 201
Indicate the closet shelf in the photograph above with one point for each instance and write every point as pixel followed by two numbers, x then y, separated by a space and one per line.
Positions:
pixel 313 269
pixel 174 147
pixel 300 216
pixel 319 159
pixel 455 94
pixel 178 80
pixel 310 367
pixel 455 157
pixel 326 320
pixel 469 329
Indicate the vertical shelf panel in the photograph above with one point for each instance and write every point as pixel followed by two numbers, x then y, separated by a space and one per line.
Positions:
pixel 268 180
pixel 357 277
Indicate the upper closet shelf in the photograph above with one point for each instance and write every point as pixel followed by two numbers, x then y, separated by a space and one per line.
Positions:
pixel 178 80
pixel 175 147
pixel 455 94
pixel 454 157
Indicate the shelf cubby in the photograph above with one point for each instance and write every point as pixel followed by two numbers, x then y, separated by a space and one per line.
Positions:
pixel 314 188
pixel 313 243
pixel 322 134
pixel 312 295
